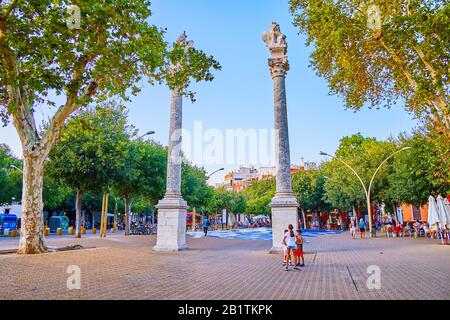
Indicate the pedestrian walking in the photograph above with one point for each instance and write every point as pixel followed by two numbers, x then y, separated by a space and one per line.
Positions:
pixel 205 224
pixel 362 227
pixel 353 227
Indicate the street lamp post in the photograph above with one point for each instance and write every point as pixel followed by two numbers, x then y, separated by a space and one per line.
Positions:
pixel 368 190
pixel 209 176
pixel 146 134
pixel 14 167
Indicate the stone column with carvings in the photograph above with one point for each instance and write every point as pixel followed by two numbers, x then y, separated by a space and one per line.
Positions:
pixel 172 209
pixel 284 205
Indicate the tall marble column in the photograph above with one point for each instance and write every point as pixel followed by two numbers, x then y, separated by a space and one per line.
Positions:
pixel 284 204
pixel 171 234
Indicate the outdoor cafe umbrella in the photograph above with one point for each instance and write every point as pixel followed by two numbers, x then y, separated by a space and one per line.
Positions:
pixel 433 215
pixel 444 212
pixel 447 209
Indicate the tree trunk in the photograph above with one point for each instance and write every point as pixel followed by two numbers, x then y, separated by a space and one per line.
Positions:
pixel 78 201
pixel 304 219
pixel 32 228
pixel 93 218
pixel 127 216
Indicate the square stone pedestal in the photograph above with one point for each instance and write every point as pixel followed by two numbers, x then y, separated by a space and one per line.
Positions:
pixel 171 235
pixel 284 213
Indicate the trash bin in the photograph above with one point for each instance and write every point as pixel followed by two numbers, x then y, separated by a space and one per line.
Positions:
pixel 56 222
pixel 7 221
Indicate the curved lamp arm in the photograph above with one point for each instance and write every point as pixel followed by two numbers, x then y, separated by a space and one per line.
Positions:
pixel 208 176
pixel 381 165
pixel 353 170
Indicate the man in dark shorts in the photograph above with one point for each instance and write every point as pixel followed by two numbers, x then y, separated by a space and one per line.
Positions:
pixel 362 227
pixel 205 225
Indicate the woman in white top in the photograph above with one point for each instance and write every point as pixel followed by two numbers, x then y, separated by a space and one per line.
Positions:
pixel 289 242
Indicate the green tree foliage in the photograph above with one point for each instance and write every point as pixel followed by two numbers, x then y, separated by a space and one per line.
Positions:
pixel 406 56
pixel 364 155
pixel 309 188
pixel 259 195
pixel 91 151
pixel 57 196
pixel 422 171
pixel 221 198
pixel 193 186
pixel 10 178
pixel 143 175
pixel 238 203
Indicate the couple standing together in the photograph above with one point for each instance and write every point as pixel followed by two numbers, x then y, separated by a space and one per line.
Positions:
pixel 293 243
pixel 353 227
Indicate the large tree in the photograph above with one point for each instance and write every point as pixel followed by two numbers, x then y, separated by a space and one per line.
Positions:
pixel 381 52
pixel 90 153
pixel 93 51
pixel 309 188
pixel 143 175
pixel 194 188
pixel 422 171
pixel 259 195
pixel 364 155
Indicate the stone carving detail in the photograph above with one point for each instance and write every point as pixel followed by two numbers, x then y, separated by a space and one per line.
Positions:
pixel 278 67
pixel 276 42
pixel 182 39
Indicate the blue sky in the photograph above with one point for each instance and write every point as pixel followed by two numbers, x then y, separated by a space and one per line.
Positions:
pixel 241 96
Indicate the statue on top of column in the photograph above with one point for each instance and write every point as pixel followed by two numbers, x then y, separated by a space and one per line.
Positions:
pixel 182 39
pixel 275 41
pixel 186 45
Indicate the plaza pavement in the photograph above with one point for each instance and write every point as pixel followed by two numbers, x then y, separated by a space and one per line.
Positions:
pixel 121 267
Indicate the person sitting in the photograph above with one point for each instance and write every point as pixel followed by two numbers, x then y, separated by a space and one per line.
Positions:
pixel 407 229
pixel 389 230
pixel 417 229
pixel 398 230
pixel 426 230
pixel 445 236
pixel 433 232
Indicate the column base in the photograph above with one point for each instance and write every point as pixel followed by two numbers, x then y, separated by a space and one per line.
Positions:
pixel 284 213
pixel 171 234
pixel 170 248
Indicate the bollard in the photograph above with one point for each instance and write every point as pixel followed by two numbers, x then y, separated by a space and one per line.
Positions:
pixel 94 231
pixel 71 231
pixel 46 232
pixel 13 233
pixel 59 232
pixel 83 230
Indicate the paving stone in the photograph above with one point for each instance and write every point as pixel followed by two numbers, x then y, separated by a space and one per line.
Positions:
pixel 120 268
